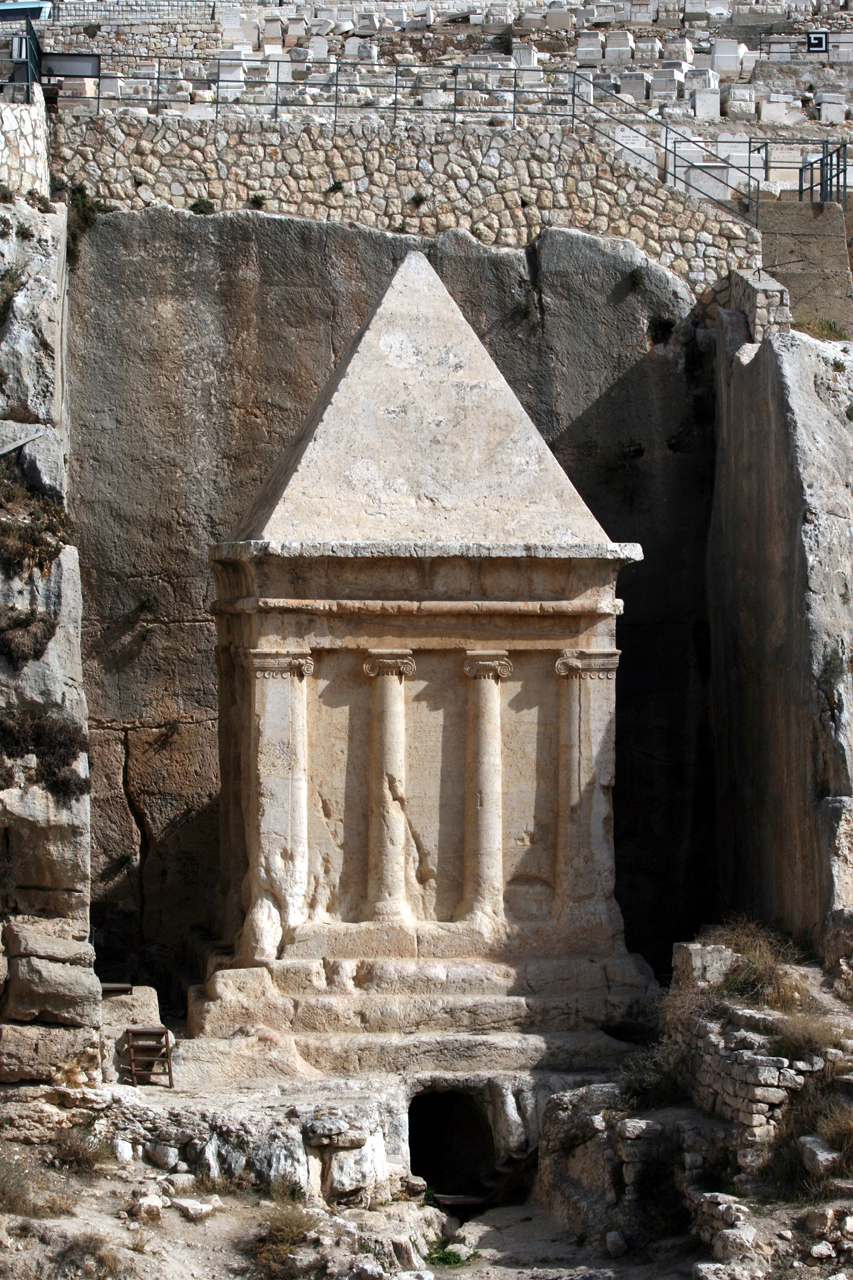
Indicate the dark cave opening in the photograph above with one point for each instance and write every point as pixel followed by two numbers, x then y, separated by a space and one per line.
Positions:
pixel 450 1141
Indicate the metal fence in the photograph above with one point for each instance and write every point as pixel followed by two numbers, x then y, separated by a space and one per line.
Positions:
pixel 336 90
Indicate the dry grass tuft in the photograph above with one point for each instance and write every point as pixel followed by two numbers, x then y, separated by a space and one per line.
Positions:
pixel 288 1226
pixel 24 635
pixel 80 1151
pixel 206 1186
pixel 140 1240
pixel 94 1255
pixel 24 1191
pixel 759 976
pixel 807 1033
pixel 652 1077
pixel 19 1186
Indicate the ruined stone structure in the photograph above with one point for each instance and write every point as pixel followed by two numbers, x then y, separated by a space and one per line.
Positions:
pixel 417 663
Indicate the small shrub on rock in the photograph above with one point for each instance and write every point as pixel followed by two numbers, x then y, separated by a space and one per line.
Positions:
pixel 91 1254
pixel 33 528
pixel 258 200
pixel 80 1151
pixel 651 1078
pixel 24 635
pixel 202 206
pixel 56 743
pixel 288 1225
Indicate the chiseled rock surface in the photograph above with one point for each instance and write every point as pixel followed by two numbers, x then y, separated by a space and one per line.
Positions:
pixel 780 579
pixel 48 1053
pixel 207 413
pixel 51 992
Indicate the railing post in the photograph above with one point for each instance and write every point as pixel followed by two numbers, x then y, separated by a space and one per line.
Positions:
pixel 455 91
pixel 767 162
pixel 574 94
pixel 216 110
pixel 396 77
pixel 824 162
pixel 844 159
pixel 337 86
pixel 277 71
pixel 157 101
pixel 514 93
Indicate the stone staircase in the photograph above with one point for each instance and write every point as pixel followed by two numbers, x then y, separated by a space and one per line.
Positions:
pixel 358 1016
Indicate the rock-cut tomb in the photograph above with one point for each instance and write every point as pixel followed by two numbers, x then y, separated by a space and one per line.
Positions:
pixel 417 663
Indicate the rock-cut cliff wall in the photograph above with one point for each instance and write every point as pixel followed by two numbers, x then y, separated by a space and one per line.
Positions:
pixel 780 574
pixel 197 345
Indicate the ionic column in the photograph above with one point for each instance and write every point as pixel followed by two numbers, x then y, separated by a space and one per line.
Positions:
pixel 276 807
pixel 386 849
pixel 483 876
pixel 585 775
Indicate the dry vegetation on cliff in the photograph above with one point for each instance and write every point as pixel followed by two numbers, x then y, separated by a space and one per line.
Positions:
pixel 33 528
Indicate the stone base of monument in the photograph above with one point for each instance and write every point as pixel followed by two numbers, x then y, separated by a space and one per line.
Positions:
pixel 353 1015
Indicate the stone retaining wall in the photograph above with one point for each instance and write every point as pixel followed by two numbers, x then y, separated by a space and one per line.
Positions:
pixel 764 301
pixel 24 146
pixel 504 186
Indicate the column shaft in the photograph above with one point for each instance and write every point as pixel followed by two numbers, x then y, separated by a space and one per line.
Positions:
pixel 483 872
pixel 585 776
pixel 387 832
pixel 275 807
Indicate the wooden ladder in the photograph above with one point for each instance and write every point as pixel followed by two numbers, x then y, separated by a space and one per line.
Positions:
pixel 150 1055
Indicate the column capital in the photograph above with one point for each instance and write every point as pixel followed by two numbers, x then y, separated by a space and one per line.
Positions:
pixel 588 664
pixel 269 664
pixel 389 662
pixel 487 664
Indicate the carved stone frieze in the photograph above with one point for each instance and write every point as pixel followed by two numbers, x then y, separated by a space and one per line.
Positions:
pixel 488 664
pixel 580 664
pixel 389 662
pixel 270 665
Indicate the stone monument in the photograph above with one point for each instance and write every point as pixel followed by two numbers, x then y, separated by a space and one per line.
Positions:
pixel 416 623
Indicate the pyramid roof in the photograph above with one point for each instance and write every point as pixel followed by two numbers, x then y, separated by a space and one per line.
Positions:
pixel 417 446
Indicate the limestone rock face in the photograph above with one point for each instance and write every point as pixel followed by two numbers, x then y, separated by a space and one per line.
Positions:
pixel 780 575
pixel 47 1054
pixel 168 457
pixel 52 992
pixel 46 960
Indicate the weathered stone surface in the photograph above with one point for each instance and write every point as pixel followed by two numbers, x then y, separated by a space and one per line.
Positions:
pixel 52 992
pixel 237 996
pixel 572 339
pixel 360 479
pixel 780 569
pixel 734 1242
pixel 693 962
pixel 818 1156
pixel 161 1154
pixel 45 940
pixel 46 1053
pixel 138 1008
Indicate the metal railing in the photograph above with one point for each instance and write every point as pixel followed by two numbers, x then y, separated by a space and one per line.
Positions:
pixel 336 90
pixel 831 163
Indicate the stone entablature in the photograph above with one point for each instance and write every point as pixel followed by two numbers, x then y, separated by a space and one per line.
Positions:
pixel 417 660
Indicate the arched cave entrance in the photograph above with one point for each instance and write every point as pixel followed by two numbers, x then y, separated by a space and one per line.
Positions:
pixel 450 1141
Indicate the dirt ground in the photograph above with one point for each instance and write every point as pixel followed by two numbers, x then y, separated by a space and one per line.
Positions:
pixel 518 1242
